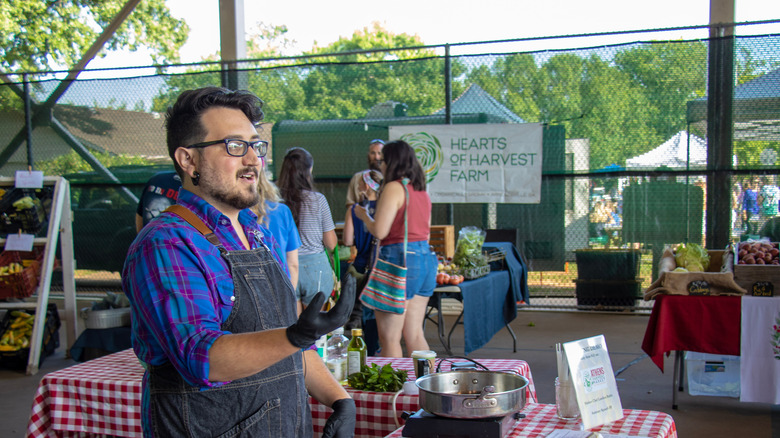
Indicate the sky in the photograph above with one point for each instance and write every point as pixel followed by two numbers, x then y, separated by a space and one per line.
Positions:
pixel 452 21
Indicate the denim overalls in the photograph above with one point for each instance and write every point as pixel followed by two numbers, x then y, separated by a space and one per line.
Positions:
pixel 271 403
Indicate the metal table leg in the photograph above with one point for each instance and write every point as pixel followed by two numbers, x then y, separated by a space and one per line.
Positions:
pixel 514 338
pixel 677 379
pixel 436 299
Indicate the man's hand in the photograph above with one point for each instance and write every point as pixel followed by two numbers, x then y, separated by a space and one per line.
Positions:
pixel 312 323
pixel 341 423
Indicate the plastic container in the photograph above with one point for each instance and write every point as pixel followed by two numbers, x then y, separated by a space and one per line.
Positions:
pixel 337 355
pixel 712 374
pixel 20 284
pixel 103 319
pixel 608 293
pixel 607 264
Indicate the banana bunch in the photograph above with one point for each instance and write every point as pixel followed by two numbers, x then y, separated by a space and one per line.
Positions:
pixel 24 203
pixel 18 334
pixel 13 268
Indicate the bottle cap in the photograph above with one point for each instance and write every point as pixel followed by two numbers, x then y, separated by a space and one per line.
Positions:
pixel 357 332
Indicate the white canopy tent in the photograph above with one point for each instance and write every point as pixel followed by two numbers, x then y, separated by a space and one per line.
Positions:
pixel 675 153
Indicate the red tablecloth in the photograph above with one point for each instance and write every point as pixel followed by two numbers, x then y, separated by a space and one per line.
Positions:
pixel 540 420
pixel 707 324
pixel 103 397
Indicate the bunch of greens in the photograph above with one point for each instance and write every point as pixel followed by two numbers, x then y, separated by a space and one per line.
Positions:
pixel 373 378
pixel 468 251
pixel 692 257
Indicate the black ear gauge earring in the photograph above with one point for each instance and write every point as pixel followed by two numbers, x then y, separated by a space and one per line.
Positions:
pixel 195 178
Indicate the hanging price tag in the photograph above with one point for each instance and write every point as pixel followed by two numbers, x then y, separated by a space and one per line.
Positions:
pixel 19 242
pixel 29 179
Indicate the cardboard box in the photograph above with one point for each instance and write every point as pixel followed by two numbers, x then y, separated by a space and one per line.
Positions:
pixel 712 374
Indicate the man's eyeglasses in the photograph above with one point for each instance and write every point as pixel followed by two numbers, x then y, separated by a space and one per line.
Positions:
pixel 236 148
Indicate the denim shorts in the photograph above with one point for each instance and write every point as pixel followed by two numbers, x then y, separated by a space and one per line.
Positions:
pixel 421 266
pixel 314 275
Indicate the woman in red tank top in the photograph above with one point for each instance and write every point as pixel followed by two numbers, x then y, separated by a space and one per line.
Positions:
pixel 387 225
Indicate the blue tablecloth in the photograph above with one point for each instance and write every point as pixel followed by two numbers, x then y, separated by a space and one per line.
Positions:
pixel 490 302
pixel 517 270
pixel 485 308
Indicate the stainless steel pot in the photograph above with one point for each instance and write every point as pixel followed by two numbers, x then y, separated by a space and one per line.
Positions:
pixel 472 394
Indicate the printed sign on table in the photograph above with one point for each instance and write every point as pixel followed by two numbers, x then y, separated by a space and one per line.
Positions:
pixel 594 381
pixel 478 163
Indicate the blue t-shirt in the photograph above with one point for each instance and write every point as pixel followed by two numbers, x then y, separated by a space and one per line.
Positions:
pixel 750 202
pixel 282 226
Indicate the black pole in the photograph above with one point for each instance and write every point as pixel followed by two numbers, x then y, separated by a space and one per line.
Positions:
pixel 28 120
pixel 719 136
pixel 448 112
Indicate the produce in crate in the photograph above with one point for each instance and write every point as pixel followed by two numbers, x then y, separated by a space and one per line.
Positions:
pixel 17 336
pixel 13 268
pixel 758 253
pixel 692 258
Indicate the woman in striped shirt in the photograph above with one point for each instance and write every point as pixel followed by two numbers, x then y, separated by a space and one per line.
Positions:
pixel 314 221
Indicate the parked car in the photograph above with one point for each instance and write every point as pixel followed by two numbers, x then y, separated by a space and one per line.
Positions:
pixel 104 214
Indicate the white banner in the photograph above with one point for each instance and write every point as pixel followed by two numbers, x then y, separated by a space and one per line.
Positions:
pixel 478 163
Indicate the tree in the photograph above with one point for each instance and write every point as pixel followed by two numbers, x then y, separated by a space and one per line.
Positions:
pixel 39 36
pixel 43 35
pixel 344 85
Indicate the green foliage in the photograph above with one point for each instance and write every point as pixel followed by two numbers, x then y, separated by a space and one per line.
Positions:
pixel 374 378
pixel 38 35
pixel 333 87
pixel 625 106
pixel 72 162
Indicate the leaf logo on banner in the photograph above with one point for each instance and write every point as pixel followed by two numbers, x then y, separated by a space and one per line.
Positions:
pixel 428 150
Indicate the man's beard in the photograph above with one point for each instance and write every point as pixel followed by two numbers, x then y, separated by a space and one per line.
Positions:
pixel 373 166
pixel 238 199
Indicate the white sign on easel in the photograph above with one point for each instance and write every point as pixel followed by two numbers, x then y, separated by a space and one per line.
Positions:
pixel 594 381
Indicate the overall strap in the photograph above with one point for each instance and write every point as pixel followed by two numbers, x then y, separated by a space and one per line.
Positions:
pixel 190 217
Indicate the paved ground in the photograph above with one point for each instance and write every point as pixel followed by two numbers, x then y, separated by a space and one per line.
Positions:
pixel 641 384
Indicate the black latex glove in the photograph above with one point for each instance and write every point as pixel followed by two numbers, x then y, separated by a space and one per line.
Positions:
pixel 313 323
pixel 341 423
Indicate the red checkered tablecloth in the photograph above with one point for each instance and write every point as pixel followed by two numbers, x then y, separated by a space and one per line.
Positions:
pixel 103 397
pixel 375 417
pixel 98 397
pixel 540 420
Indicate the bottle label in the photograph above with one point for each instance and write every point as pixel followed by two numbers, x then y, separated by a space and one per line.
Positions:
pixel 338 367
pixel 322 347
pixel 353 362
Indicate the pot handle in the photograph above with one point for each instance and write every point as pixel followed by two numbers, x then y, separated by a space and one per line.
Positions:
pixel 438 366
pixel 482 401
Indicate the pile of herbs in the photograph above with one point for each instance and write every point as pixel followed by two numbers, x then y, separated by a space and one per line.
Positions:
pixel 374 378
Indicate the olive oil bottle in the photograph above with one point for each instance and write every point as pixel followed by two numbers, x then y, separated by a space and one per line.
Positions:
pixel 356 352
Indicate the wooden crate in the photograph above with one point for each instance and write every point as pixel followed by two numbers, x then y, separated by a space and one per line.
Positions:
pixel 758 280
pixel 442 238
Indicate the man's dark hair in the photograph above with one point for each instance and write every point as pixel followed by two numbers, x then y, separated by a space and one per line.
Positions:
pixel 294 178
pixel 402 162
pixel 183 122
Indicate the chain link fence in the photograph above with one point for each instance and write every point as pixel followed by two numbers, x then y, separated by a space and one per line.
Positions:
pixel 626 161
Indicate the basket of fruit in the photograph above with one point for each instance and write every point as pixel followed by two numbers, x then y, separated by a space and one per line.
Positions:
pixel 15 332
pixel 18 278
